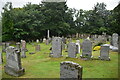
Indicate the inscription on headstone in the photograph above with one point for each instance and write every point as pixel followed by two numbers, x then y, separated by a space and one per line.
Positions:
pixel 13 62
pixel 70 70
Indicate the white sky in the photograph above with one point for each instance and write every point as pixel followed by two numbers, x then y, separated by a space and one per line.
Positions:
pixel 78 4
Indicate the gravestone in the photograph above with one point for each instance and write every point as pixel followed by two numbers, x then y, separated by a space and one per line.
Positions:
pixel 115 39
pixel 23 53
pixel 72 50
pixel 47 42
pixel 104 52
pixel 87 49
pixel 0 58
pixel 13 62
pixel 57 47
pixel 70 71
pixel 7 45
pixel 37 41
pixel 18 46
pixel 23 45
pixel 37 48
pixel 78 46
pixel 44 40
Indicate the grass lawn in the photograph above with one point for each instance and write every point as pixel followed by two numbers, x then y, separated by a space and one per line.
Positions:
pixel 40 65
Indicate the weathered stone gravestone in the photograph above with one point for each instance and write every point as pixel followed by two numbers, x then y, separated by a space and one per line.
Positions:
pixel 13 62
pixel 37 48
pixel 87 49
pixel 47 42
pixel 72 51
pixel 37 41
pixel 57 47
pixel 23 53
pixel 115 39
pixel 70 71
pixel 23 45
pixel 78 46
pixel 104 52
pixel 18 46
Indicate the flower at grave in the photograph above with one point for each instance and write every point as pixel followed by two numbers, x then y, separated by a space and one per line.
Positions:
pixel 96 48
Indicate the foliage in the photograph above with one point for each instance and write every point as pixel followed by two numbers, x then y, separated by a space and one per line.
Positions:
pixel 33 20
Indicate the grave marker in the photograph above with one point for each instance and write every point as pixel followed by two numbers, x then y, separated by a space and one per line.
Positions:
pixel 86 48
pixel 72 50
pixel 115 39
pixel 70 70
pixel 57 47
pixel 13 62
pixel 104 52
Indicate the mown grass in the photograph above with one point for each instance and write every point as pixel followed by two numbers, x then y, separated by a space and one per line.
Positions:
pixel 40 65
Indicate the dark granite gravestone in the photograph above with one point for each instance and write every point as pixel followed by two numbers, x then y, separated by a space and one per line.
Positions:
pixel 13 62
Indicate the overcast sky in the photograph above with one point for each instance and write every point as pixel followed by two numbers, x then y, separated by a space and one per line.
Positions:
pixel 78 4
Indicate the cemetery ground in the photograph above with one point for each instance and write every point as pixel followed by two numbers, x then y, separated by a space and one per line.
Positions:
pixel 40 65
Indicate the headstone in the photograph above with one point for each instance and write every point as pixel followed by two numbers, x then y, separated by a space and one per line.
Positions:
pixel 13 62
pixel 44 40
pixel 37 48
pixel 23 53
pixel 115 39
pixel 37 41
pixel 18 46
pixel 23 45
pixel 57 47
pixel 104 52
pixel 47 42
pixel 87 48
pixel 72 50
pixel 78 46
pixel 70 71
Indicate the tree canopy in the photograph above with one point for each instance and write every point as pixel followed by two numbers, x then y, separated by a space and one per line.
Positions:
pixel 33 20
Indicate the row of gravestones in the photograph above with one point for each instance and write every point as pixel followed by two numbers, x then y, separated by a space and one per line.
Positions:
pixel 13 66
pixel 73 49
